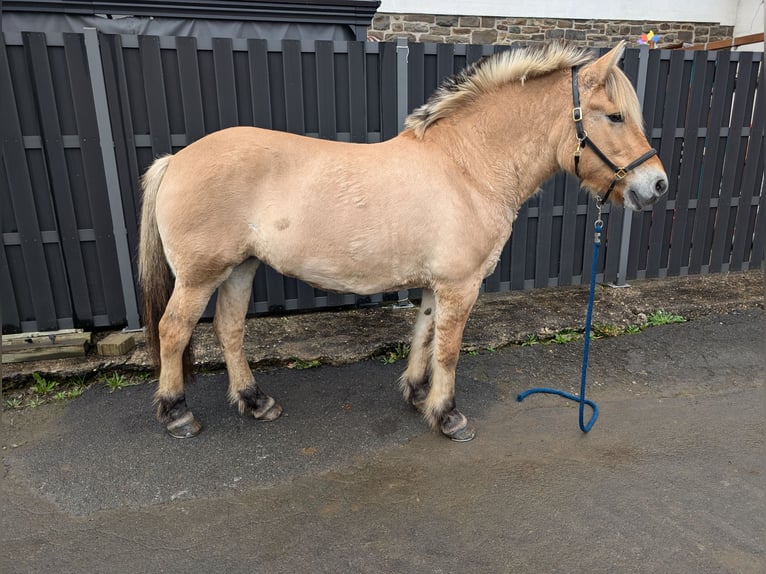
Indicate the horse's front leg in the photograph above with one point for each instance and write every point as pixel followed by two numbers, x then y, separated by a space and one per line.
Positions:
pixel 229 323
pixel 453 306
pixel 414 380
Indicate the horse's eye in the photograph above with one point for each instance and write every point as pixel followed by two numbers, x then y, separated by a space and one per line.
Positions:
pixel 616 118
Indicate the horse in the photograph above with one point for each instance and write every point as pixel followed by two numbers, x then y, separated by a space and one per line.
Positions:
pixel 430 208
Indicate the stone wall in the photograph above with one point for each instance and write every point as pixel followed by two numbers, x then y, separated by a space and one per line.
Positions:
pixel 496 30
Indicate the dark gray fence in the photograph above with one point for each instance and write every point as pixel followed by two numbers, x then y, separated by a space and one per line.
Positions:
pixel 82 115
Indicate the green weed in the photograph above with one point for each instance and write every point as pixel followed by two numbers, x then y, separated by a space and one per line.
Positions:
pixel 14 403
pixel 35 401
pixel 531 339
pixel 661 317
pixel 115 381
pixel 70 393
pixel 402 351
pixel 566 336
pixel 42 386
pixel 300 364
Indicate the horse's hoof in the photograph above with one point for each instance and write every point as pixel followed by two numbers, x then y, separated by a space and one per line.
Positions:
pixel 468 432
pixel 418 404
pixel 456 426
pixel 184 427
pixel 269 412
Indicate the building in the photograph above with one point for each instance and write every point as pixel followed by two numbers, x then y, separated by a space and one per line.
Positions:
pixel 590 22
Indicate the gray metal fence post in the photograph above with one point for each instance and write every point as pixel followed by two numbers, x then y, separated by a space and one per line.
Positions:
pixel 627 215
pixel 402 91
pixel 93 53
pixel 402 88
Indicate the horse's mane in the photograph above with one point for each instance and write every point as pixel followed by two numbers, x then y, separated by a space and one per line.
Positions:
pixel 518 64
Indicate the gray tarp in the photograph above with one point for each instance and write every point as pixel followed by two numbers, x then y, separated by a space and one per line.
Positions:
pixel 132 25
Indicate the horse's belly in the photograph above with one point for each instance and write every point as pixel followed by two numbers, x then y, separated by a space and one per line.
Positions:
pixel 367 279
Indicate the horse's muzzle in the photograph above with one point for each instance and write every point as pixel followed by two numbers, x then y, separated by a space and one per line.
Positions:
pixel 644 188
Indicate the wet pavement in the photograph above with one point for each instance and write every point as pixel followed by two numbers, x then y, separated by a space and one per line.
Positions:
pixel 670 479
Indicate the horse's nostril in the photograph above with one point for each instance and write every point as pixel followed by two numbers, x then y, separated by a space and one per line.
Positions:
pixel 661 186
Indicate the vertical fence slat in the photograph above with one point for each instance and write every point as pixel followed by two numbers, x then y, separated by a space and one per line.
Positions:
pixel 292 66
pixel 568 229
pixel 388 96
pixel 191 94
pixel 225 87
pixel 325 72
pixel 613 244
pixel 445 62
pixel 259 82
pixel 154 90
pixel 544 232
pixel 35 265
pixel 416 73
pixel 357 97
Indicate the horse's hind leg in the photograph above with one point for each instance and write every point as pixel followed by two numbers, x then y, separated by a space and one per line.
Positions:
pixel 452 309
pixel 229 322
pixel 414 381
pixel 183 310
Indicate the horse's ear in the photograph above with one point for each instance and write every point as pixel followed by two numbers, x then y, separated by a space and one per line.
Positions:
pixel 598 71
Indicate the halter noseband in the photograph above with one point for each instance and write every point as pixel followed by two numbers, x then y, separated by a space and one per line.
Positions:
pixel 583 140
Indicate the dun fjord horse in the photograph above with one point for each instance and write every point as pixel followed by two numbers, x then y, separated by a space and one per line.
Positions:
pixel 431 208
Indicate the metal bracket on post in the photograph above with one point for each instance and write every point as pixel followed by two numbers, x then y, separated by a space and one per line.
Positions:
pixel 627 215
pixel 93 53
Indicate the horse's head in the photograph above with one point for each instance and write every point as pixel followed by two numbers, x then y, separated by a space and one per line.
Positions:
pixel 613 158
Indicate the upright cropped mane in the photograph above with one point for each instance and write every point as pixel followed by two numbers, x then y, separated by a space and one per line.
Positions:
pixel 487 74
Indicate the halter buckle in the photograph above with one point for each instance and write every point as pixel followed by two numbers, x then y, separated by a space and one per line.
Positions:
pixel 620 173
pixel 577 114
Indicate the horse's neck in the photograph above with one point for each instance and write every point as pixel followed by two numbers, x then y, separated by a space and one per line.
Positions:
pixel 509 141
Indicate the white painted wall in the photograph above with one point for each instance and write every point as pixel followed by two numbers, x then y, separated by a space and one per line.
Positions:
pixel 723 11
pixel 750 20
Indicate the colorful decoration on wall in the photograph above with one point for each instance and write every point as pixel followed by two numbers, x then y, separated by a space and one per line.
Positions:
pixel 651 39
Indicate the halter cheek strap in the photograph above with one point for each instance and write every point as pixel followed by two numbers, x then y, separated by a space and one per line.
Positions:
pixel 583 140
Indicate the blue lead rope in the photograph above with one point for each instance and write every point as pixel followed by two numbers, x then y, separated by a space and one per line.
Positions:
pixel 599 225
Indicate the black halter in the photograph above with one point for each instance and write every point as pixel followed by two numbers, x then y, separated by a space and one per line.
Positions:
pixel 583 140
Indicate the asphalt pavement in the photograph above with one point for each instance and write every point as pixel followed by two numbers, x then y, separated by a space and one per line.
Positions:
pixel 670 478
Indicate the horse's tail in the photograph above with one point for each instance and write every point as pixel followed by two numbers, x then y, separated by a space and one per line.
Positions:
pixel 154 274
